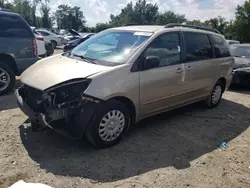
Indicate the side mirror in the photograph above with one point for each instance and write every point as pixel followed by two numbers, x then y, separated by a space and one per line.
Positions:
pixel 151 62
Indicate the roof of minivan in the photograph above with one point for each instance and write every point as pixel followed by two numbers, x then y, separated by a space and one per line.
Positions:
pixel 154 28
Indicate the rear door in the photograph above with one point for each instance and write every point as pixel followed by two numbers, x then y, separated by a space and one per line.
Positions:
pixel 162 87
pixel 222 57
pixel 200 65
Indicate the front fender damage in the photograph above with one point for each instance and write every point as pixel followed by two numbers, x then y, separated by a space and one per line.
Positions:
pixel 60 108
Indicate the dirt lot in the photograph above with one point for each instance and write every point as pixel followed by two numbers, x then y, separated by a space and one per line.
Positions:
pixel 175 149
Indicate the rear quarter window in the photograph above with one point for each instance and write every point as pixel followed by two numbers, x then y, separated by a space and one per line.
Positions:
pixel 221 48
pixel 13 26
pixel 197 47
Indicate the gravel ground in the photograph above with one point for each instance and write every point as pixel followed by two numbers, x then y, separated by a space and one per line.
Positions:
pixel 174 149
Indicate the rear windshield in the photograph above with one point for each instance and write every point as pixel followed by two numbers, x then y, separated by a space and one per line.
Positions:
pixel 13 26
pixel 240 51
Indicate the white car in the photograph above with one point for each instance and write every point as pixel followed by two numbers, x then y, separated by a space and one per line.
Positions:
pixel 41 50
pixel 55 39
pixel 229 42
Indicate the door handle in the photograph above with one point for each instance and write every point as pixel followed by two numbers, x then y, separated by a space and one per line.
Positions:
pixel 189 68
pixel 179 70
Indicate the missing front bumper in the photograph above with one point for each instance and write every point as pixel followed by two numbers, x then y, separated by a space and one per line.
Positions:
pixel 66 121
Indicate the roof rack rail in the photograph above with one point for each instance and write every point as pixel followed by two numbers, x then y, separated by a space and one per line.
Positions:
pixel 5 9
pixel 192 26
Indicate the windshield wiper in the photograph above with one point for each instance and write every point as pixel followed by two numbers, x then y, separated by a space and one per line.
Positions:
pixel 84 58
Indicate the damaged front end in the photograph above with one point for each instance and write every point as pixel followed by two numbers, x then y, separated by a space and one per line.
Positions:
pixel 62 102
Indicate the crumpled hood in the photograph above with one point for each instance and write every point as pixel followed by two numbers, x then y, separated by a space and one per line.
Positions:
pixel 56 69
pixel 74 32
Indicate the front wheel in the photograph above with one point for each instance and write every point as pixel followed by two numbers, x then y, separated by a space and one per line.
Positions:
pixel 108 125
pixel 215 96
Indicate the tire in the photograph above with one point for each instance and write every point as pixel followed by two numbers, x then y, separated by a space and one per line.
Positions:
pixel 215 96
pixel 54 44
pixel 8 75
pixel 101 124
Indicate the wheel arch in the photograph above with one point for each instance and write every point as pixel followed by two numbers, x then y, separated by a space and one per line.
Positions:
pixel 129 104
pixel 10 61
pixel 224 81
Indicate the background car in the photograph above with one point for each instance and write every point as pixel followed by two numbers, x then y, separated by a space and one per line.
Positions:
pixel 18 49
pixel 73 43
pixel 62 32
pixel 55 39
pixel 230 42
pixel 49 48
pixel 241 67
pixel 40 44
pixel 72 35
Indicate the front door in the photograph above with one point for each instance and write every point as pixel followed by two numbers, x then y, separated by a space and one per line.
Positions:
pixel 162 87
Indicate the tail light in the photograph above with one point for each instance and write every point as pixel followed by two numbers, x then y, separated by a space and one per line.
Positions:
pixel 34 48
pixel 40 38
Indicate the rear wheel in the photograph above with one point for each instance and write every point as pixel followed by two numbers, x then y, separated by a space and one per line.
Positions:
pixel 7 79
pixel 108 125
pixel 216 94
pixel 54 44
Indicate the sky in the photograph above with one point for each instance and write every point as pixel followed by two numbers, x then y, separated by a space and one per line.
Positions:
pixel 96 11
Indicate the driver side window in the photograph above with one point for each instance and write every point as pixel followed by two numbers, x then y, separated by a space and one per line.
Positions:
pixel 167 48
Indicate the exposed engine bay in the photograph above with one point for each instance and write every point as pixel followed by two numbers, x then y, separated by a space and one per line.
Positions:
pixel 57 102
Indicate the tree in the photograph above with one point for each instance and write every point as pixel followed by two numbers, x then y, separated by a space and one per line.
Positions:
pixel 242 22
pixel 45 11
pixel 69 17
pixel 170 17
pixel 101 26
pixel 23 7
pixel 33 9
pixel 140 13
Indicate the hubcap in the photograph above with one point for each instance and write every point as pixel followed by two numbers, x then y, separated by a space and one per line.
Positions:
pixel 4 79
pixel 111 125
pixel 216 94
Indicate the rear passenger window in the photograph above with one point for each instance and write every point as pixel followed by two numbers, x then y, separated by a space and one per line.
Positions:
pixel 167 48
pixel 198 47
pixel 43 33
pixel 12 26
pixel 220 46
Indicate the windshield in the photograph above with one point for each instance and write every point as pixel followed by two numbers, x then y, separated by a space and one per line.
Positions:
pixel 240 51
pixel 110 47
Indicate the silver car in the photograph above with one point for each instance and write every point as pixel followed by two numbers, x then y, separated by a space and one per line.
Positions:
pixel 122 75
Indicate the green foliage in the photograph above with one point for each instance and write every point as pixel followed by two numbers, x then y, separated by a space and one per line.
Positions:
pixel 101 26
pixel 141 12
pixel 170 17
pixel 69 17
pixel 242 22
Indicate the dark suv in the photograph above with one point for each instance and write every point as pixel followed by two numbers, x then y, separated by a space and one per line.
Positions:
pixel 18 48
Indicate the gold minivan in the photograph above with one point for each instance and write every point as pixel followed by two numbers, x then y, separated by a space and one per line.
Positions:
pixel 122 75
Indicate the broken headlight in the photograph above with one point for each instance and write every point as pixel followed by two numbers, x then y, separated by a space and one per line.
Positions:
pixel 68 93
